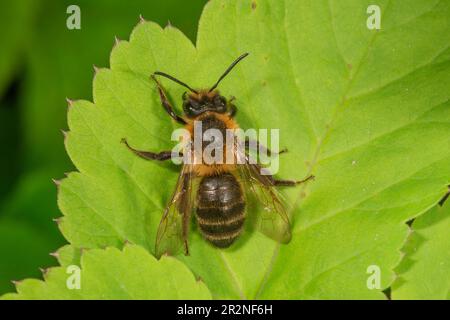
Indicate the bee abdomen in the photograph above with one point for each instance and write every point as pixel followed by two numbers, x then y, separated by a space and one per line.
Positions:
pixel 220 209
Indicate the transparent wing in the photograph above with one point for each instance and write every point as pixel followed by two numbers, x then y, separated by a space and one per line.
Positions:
pixel 271 218
pixel 172 234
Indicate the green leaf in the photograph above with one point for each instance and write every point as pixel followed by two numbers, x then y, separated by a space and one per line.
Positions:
pixel 16 19
pixel 366 111
pixel 35 32
pixel 68 255
pixel 113 274
pixel 423 273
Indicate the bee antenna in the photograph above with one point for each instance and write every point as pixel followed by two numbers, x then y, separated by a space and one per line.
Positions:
pixel 175 80
pixel 228 70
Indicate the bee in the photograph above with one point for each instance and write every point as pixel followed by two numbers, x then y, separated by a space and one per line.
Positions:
pixel 216 192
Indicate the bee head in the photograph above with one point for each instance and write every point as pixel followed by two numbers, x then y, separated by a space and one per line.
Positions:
pixel 195 104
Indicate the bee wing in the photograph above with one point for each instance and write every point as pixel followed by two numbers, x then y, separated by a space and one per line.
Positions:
pixel 273 219
pixel 173 229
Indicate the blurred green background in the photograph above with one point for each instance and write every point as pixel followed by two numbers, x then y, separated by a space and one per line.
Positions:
pixel 41 63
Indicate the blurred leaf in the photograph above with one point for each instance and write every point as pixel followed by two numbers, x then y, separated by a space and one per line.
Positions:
pixel 424 271
pixel 23 248
pixel 27 232
pixel 9 140
pixel 16 19
pixel 114 274
pixel 33 201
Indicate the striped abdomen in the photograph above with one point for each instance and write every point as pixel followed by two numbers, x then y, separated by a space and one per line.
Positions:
pixel 220 209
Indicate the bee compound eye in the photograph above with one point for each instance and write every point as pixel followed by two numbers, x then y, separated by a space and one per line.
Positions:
pixel 220 101
pixel 194 104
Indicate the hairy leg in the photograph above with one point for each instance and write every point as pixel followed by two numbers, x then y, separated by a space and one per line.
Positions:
pixel 148 155
pixel 166 104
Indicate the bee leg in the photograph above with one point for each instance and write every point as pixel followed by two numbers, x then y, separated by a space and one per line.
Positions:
pixel 288 183
pixel 269 181
pixel 255 146
pixel 233 110
pixel 148 155
pixel 166 104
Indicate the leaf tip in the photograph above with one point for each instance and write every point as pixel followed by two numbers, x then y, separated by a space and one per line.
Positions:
pixel 69 102
pixel 141 19
pixel 16 282
pixel 165 255
pixel 57 221
pixel 117 41
pixel 64 133
pixel 44 271
pixel 56 182
pixel 54 254
pixel 127 243
pixel 96 69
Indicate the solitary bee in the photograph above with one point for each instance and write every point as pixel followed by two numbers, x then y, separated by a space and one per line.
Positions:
pixel 218 198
